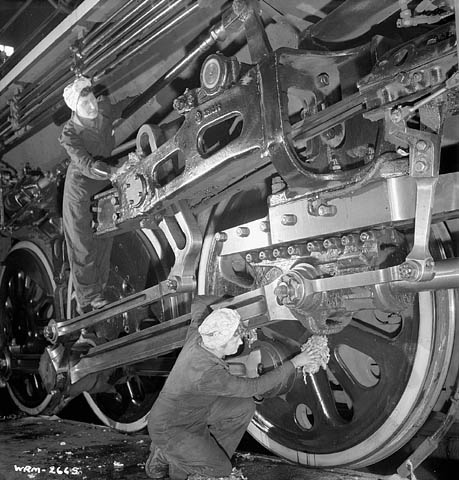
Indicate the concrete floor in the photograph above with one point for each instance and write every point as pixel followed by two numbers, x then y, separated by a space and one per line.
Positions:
pixel 52 448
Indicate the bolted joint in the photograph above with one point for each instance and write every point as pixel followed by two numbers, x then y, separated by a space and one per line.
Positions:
pixel 287 291
pixel 221 237
pixel 408 270
pixel 50 332
pixel 172 284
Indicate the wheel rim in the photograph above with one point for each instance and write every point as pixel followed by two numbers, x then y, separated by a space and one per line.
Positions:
pixel 126 408
pixel 27 289
pixel 381 384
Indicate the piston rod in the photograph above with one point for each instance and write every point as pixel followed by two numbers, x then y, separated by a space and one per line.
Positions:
pixel 446 275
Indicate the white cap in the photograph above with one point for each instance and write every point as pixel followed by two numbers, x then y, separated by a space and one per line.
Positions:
pixel 218 327
pixel 72 92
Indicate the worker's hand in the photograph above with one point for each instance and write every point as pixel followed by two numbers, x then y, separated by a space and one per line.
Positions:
pixel 101 169
pixel 307 359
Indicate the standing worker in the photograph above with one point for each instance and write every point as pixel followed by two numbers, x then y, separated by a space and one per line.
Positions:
pixel 88 138
pixel 203 410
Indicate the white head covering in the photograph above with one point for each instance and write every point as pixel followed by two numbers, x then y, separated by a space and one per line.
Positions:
pixel 72 92
pixel 219 327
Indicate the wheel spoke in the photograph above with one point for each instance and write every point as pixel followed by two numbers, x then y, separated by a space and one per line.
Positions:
pixel 346 380
pixel 384 350
pixel 43 308
pixel 323 400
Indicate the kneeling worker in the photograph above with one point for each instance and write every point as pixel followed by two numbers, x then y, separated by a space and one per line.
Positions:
pixel 203 410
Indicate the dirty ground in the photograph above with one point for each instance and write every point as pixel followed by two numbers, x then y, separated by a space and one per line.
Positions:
pixel 45 448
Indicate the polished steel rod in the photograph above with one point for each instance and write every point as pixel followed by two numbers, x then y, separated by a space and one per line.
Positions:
pixel 446 276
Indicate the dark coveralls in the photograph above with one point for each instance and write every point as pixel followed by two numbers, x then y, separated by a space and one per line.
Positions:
pixel 89 255
pixel 203 410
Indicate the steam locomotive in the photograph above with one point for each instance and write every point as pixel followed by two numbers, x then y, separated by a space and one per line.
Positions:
pixel 307 175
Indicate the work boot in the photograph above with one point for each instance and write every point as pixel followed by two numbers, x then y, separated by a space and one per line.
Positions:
pixel 156 466
pixel 176 473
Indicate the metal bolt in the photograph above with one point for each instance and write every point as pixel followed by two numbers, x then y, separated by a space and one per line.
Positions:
pixel 421 145
pixel 323 79
pixel 330 133
pixel 406 270
pixel 289 219
pixel 264 255
pixel 242 232
pixel 418 77
pixel 221 237
pixel 264 226
pixel 322 210
pixel 326 210
pixel 282 291
pixel 346 240
pixel 278 252
pixel 420 166
pixel 366 236
pixel 314 246
pixel 198 116
pixel 249 258
pixel 171 284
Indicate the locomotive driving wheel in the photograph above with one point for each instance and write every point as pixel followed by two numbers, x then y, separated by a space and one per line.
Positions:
pixel 385 375
pixel 27 305
pixel 139 260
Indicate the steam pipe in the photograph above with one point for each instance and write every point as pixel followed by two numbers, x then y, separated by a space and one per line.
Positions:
pixel 100 39
pixel 146 41
pixel 131 37
pixel 90 38
pixel 94 54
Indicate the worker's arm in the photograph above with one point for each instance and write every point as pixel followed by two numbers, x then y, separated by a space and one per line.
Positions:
pixel 218 381
pixel 200 308
pixel 118 107
pixel 78 154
